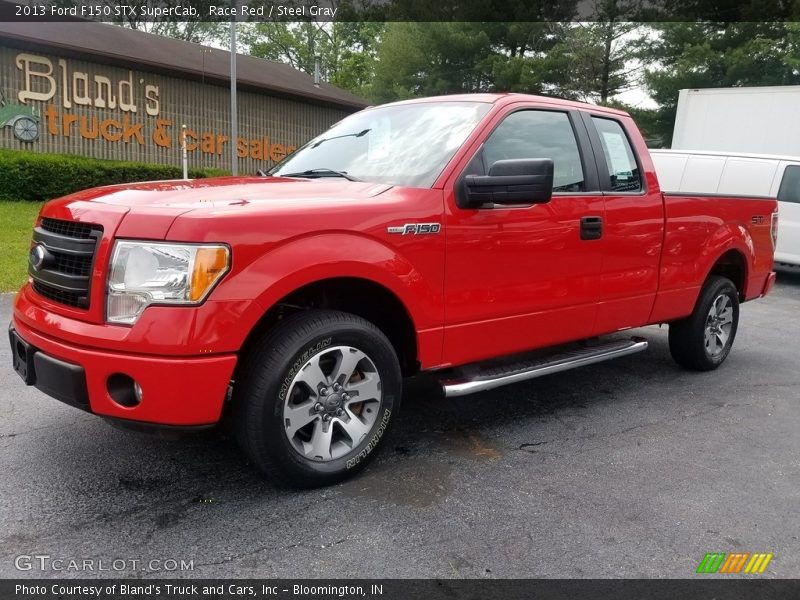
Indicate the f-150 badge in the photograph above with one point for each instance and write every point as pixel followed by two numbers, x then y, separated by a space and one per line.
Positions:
pixel 416 228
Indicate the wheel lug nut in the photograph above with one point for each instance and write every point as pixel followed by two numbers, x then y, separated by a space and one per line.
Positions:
pixel 339 412
pixel 326 417
pixel 318 407
pixel 345 397
pixel 323 392
pixel 336 387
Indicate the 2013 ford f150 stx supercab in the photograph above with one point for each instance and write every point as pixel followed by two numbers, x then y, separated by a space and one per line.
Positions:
pixel 474 237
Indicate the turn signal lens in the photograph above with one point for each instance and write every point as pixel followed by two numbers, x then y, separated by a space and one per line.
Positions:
pixel 210 263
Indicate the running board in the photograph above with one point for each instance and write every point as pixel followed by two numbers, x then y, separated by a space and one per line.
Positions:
pixel 481 380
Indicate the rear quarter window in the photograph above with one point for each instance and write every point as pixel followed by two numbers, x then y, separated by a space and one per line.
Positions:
pixel 622 167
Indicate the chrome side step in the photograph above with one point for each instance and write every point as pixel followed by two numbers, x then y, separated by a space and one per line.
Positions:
pixel 480 380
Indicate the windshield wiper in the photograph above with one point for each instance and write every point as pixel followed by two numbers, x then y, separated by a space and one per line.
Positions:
pixel 336 137
pixel 321 173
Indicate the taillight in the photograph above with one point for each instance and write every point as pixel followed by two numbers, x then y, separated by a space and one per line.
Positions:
pixel 775 230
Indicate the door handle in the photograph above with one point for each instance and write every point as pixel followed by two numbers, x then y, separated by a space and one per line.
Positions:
pixel 591 228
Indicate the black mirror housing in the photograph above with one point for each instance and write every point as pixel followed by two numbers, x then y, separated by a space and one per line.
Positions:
pixel 512 181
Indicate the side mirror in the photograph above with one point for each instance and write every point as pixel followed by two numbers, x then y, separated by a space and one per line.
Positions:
pixel 513 181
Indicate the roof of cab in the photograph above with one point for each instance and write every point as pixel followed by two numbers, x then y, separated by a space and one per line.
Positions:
pixel 511 98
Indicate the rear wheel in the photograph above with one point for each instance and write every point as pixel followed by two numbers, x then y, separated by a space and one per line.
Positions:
pixel 316 397
pixel 703 340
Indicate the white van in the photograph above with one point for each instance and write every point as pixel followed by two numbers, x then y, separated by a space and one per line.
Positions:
pixel 725 173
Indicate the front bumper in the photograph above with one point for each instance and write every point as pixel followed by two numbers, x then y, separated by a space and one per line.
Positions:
pixel 181 391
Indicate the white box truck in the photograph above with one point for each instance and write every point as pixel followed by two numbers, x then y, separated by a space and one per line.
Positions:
pixel 751 120
pixel 742 140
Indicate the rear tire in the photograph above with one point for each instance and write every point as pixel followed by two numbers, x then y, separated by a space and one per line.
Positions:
pixel 316 397
pixel 703 340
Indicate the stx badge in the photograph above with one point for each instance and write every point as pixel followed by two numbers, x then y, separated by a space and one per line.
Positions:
pixel 416 228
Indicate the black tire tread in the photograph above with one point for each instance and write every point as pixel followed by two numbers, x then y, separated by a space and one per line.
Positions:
pixel 686 335
pixel 261 364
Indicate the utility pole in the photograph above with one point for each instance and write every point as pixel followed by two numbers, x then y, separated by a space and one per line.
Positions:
pixel 184 157
pixel 234 107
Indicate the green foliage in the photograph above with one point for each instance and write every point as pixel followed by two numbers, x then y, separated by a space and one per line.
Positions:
pixel 425 59
pixel 593 62
pixel 418 59
pixel 347 50
pixel 35 176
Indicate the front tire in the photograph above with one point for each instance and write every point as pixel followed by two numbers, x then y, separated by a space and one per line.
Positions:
pixel 703 340
pixel 316 397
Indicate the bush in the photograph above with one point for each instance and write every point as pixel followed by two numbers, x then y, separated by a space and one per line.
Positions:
pixel 35 176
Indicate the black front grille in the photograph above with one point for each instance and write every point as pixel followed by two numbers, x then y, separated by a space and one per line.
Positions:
pixel 57 295
pixel 65 273
pixel 73 229
pixel 73 265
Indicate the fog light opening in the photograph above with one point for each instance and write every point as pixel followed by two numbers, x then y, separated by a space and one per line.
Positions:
pixel 124 390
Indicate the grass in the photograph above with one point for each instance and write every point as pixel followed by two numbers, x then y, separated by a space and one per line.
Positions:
pixel 16 223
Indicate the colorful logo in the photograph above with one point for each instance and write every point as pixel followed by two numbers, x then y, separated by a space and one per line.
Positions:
pixel 735 562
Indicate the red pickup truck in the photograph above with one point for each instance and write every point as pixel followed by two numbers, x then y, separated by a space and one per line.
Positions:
pixel 485 239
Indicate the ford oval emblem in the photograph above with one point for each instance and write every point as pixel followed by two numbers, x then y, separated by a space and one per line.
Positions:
pixel 37 256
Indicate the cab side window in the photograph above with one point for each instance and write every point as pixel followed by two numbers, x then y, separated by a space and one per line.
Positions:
pixel 622 167
pixel 790 185
pixel 539 134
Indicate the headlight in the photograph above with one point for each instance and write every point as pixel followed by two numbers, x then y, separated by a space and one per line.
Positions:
pixel 144 273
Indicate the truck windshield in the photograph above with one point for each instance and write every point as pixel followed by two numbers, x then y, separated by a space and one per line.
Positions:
pixel 404 144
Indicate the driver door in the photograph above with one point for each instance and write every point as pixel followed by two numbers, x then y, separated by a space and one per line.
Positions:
pixel 519 277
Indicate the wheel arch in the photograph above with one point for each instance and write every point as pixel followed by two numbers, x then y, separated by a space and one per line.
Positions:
pixel 731 264
pixel 361 296
pixel 325 270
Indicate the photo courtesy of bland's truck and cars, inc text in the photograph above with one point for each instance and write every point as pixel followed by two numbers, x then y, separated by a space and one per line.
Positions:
pixel 315 300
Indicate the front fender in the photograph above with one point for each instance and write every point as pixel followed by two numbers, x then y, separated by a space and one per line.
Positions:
pixel 309 259
pixel 314 258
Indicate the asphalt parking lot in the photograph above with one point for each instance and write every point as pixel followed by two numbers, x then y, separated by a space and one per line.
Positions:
pixel 629 468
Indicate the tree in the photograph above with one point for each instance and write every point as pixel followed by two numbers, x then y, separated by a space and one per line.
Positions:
pixel 423 59
pixel 595 61
pixel 354 56
pixel 347 50
pixel 418 59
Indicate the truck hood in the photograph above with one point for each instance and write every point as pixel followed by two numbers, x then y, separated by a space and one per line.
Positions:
pixel 149 210
pixel 269 193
